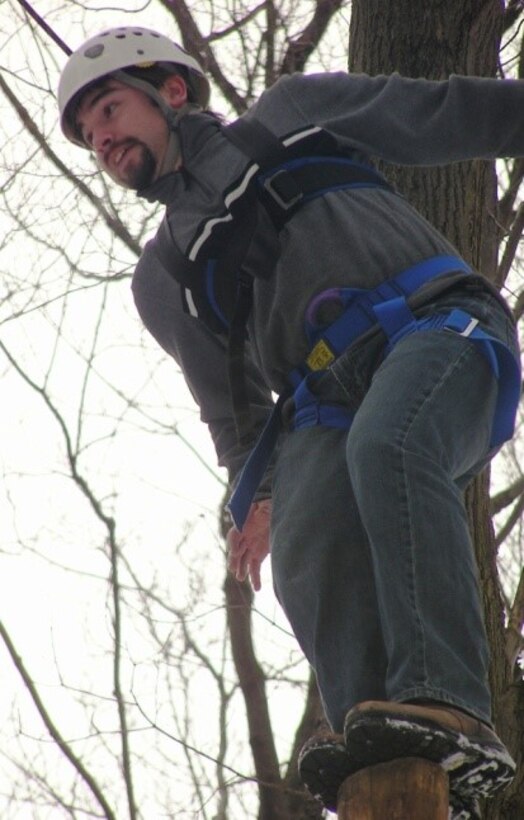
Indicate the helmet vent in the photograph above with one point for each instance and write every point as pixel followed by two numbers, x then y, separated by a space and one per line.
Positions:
pixel 94 51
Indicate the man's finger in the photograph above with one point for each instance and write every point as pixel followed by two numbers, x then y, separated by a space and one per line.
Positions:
pixel 254 574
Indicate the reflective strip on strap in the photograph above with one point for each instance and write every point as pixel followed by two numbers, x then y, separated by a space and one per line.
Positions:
pixel 506 369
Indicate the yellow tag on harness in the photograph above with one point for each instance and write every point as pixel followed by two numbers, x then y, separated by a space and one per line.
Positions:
pixel 320 357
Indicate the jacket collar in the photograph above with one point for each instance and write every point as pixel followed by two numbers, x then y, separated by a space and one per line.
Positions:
pixel 194 131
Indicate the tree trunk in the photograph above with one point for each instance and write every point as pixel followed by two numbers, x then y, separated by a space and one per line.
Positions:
pixel 433 40
pixel 280 798
pixel 410 789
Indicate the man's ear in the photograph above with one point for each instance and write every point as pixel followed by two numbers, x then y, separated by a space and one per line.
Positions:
pixel 174 91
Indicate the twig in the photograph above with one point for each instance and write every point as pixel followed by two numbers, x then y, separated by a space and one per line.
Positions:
pixel 512 243
pixel 64 747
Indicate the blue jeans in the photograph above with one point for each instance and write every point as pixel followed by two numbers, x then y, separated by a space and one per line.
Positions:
pixel 371 553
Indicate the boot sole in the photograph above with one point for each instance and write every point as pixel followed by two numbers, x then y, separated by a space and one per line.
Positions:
pixel 324 768
pixel 475 769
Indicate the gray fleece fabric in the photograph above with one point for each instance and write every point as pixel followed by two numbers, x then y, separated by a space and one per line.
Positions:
pixel 346 238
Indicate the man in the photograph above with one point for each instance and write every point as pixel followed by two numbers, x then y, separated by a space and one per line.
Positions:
pixel 285 264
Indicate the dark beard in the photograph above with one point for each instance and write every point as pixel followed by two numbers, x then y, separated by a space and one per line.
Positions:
pixel 143 172
pixel 140 173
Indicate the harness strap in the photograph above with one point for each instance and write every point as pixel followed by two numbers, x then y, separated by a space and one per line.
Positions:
pixel 235 359
pixel 285 188
pixel 397 321
pixel 309 411
pixel 293 169
pixel 359 310
pixel 282 191
pixel 507 369
pixel 254 468
pixel 327 343
pixel 287 172
pixel 255 140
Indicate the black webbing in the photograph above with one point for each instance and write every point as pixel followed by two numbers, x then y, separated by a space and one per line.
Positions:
pixel 282 191
pixel 236 359
pixel 256 141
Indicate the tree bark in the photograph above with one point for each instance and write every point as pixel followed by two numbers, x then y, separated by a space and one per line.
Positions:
pixel 410 789
pixel 239 600
pixel 435 40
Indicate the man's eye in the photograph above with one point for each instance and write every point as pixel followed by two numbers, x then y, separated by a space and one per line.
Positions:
pixel 85 136
pixel 109 108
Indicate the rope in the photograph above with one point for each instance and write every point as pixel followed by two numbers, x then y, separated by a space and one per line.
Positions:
pixel 43 25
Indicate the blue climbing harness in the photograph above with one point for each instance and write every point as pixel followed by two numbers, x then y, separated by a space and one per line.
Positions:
pixel 360 310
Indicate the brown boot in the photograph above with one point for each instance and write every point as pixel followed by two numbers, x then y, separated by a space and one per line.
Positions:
pixel 477 762
pixel 324 764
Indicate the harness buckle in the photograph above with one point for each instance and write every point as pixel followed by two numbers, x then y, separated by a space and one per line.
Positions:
pixel 470 328
pixel 460 322
pixel 283 189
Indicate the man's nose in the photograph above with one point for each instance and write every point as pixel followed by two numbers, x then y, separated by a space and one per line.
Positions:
pixel 102 140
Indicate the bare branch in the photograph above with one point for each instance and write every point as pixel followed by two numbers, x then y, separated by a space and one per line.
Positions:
pixel 503 499
pixel 301 48
pixel 237 23
pixel 117 667
pixel 110 525
pixel 64 747
pixel 513 519
pixel 518 309
pixel 511 246
pixel 198 46
pixel 239 598
pixel 506 202
pixel 111 221
pixel 512 13
pixel 514 636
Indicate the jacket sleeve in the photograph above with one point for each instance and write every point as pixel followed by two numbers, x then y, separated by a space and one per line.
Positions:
pixel 202 358
pixel 409 121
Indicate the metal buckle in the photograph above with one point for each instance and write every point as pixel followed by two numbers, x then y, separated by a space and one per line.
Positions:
pixel 470 328
pixel 460 322
pixel 283 201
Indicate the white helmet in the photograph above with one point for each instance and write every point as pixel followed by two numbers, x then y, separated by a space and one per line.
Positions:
pixel 114 50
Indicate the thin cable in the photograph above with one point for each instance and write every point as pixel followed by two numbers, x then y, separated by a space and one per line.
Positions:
pixel 42 23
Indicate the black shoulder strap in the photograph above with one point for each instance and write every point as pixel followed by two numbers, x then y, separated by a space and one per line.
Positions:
pixel 256 141
pixel 236 359
pixel 285 182
pixel 282 192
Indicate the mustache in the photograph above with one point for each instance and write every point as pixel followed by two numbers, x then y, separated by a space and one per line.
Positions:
pixel 122 145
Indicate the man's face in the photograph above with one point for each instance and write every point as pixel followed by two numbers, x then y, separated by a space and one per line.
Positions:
pixel 126 131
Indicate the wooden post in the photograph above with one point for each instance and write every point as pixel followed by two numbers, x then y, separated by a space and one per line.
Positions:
pixel 404 789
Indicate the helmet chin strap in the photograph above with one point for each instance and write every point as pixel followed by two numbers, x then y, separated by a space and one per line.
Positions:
pixel 173 154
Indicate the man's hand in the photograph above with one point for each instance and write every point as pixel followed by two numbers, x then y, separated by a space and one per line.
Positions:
pixel 247 549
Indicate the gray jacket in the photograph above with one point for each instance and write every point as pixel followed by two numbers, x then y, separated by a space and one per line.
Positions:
pixel 348 238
